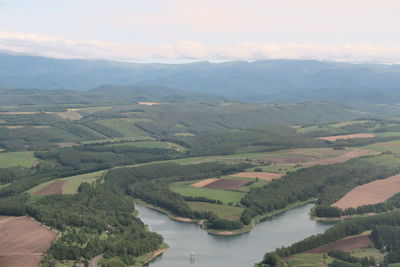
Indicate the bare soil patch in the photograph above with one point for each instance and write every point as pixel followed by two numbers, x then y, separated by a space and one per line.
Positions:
pixel 203 182
pixel 51 189
pixel 268 176
pixel 344 137
pixel 345 244
pixel 229 184
pixel 23 241
pixel 371 193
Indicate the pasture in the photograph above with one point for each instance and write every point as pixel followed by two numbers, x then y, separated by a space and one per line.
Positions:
pixel 11 159
pixel 184 189
pixel 307 260
pixel 223 211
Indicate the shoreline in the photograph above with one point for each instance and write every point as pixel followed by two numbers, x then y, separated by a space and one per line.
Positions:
pixel 245 229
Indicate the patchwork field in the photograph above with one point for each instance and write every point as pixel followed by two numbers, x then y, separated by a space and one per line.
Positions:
pixel 68 185
pixel 23 159
pixel 225 196
pixel 23 241
pixel 345 137
pixel 291 158
pixel 350 243
pixel 268 176
pixel 371 193
pixel 227 184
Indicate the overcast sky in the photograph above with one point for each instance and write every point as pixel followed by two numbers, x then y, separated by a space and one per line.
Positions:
pixel 216 30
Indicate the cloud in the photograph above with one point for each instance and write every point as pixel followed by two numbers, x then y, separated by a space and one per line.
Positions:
pixel 59 47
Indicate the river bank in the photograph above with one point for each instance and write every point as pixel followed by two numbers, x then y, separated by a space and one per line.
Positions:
pixel 231 250
pixel 245 229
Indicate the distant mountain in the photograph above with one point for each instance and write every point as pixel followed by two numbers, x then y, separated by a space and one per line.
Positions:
pixel 261 81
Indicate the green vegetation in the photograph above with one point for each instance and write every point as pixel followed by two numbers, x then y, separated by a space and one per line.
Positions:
pixel 11 159
pixel 127 127
pixel 73 183
pixel 326 182
pixel 308 260
pixel 223 211
pixel 226 196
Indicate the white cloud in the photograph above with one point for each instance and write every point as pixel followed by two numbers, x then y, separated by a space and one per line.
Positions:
pixel 59 47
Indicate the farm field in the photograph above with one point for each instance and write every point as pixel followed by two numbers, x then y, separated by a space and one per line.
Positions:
pixel 368 252
pixel 227 184
pixel 127 127
pixel 68 185
pixel 371 193
pixel 23 241
pixel 225 196
pixel 345 137
pixel 268 176
pixel 350 243
pixel 290 158
pixel 307 260
pixel 223 211
pixel 11 159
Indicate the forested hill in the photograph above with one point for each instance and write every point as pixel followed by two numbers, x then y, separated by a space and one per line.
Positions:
pixel 261 81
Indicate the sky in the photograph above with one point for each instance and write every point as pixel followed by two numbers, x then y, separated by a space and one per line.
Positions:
pixel 194 30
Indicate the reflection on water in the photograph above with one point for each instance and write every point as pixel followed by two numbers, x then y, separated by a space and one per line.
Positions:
pixel 228 251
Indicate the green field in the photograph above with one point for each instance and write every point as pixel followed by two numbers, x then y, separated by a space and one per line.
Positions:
pixel 127 127
pixel 184 134
pixel 368 252
pixel 276 168
pixel 11 159
pixel 223 211
pixel 225 196
pixel 307 260
pixel 394 264
pixel 145 144
pixel 72 183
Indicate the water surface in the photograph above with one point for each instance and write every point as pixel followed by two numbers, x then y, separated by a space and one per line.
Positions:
pixel 228 251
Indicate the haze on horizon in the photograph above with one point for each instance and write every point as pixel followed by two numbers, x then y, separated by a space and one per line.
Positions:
pixel 188 30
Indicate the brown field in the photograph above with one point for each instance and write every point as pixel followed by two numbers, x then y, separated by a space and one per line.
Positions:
pixel 148 103
pixel 371 193
pixel 51 189
pixel 228 184
pixel 268 176
pixel 203 182
pixel 344 156
pixel 23 241
pixel 345 244
pixel 70 115
pixel 344 137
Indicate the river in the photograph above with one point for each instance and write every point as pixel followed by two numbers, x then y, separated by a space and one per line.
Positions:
pixel 228 251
